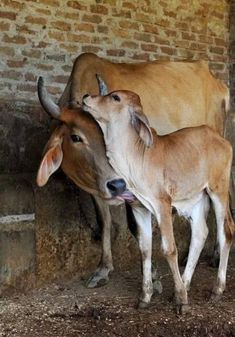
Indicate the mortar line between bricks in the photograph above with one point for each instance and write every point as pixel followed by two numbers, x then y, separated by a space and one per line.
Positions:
pixel 17 218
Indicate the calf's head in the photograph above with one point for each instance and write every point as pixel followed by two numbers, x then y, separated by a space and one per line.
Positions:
pixel 77 146
pixel 118 111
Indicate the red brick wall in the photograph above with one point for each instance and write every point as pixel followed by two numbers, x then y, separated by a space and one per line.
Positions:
pixel 42 37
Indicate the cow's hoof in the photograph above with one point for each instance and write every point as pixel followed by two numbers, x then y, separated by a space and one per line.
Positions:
pixel 182 309
pixel 143 305
pixel 157 286
pixel 97 281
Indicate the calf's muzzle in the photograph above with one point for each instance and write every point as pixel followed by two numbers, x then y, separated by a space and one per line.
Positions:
pixel 116 187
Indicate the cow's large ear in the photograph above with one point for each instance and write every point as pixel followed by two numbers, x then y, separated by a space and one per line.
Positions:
pixel 52 158
pixel 141 124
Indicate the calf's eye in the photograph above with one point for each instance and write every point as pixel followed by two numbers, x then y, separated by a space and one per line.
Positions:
pixel 76 139
pixel 116 98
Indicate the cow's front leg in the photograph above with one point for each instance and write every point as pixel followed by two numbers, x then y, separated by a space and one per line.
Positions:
pixel 163 214
pixel 101 275
pixel 144 236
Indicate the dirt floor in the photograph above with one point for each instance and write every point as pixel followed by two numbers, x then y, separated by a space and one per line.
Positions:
pixel 68 309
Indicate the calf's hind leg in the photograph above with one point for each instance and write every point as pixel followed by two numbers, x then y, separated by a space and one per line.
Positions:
pixel 199 232
pixel 225 231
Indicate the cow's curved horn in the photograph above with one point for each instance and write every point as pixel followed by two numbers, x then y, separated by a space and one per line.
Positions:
pixel 47 103
pixel 102 86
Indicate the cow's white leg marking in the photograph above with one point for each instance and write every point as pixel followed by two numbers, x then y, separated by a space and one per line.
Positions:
pixel 162 210
pixel 143 219
pixel 101 276
pixel 199 232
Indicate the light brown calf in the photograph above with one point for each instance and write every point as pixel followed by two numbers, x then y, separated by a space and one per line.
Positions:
pixel 180 169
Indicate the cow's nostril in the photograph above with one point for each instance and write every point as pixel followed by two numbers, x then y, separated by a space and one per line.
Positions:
pixel 85 96
pixel 116 187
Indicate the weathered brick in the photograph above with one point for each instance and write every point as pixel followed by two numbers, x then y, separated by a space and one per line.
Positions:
pixel 147 28
pixel 12 4
pixel 78 38
pixel 149 47
pixel 46 67
pixel 59 79
pixel 24 29
pixel 68 15
pixel 69 48
pixel 121 13
pixel 141 56
pixel 43 11
pixel 167 50
pixel 143 37
pixel 26 87
pixel 14 39
pixel 61 25
pixel 115 52
pixel 99 9
pixel 52 3
pixel 36 20
pixel 188 36
pixel 92 18
pixel 217 50
pixel 91 49
pixel 30 77
pixel 10 74
pixel 129 24
pixel 58 36
pixel 130 44
pixel 102 29
pixel 34 53
pixel 8 15
pixel 7 51
pixel 77 5
pixel 16 63
pixel 84 27
pixel 4 26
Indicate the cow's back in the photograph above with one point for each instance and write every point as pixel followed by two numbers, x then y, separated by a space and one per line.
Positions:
pixel 174 95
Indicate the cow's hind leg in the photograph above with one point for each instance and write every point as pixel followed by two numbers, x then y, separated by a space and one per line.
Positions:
pixel 225 229
pixel 199 232
pixel 101 276
pixel 143 220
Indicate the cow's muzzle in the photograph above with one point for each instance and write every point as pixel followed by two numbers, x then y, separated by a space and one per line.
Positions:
pixel 116 187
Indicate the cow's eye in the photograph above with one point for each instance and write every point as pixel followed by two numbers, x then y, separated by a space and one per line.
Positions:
pixel 76 139
pixel 116 98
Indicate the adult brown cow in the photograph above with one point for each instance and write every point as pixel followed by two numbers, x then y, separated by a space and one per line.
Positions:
pixel 174 95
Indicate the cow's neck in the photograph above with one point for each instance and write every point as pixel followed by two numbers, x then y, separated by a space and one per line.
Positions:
pixel 126 152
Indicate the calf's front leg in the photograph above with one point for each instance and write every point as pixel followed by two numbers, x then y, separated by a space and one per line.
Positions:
pixel 162 210
pixel 144 236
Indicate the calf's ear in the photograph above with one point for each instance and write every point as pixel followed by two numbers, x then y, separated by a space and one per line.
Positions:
pixel 141 125
pixel 52 158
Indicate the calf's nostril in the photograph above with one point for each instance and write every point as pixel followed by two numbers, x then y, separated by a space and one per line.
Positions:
pixel 85 96
pixel 116 186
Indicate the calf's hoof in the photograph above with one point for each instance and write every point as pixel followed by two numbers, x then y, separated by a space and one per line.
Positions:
pixel 182 309
pixel 143 305
pixel 96 280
